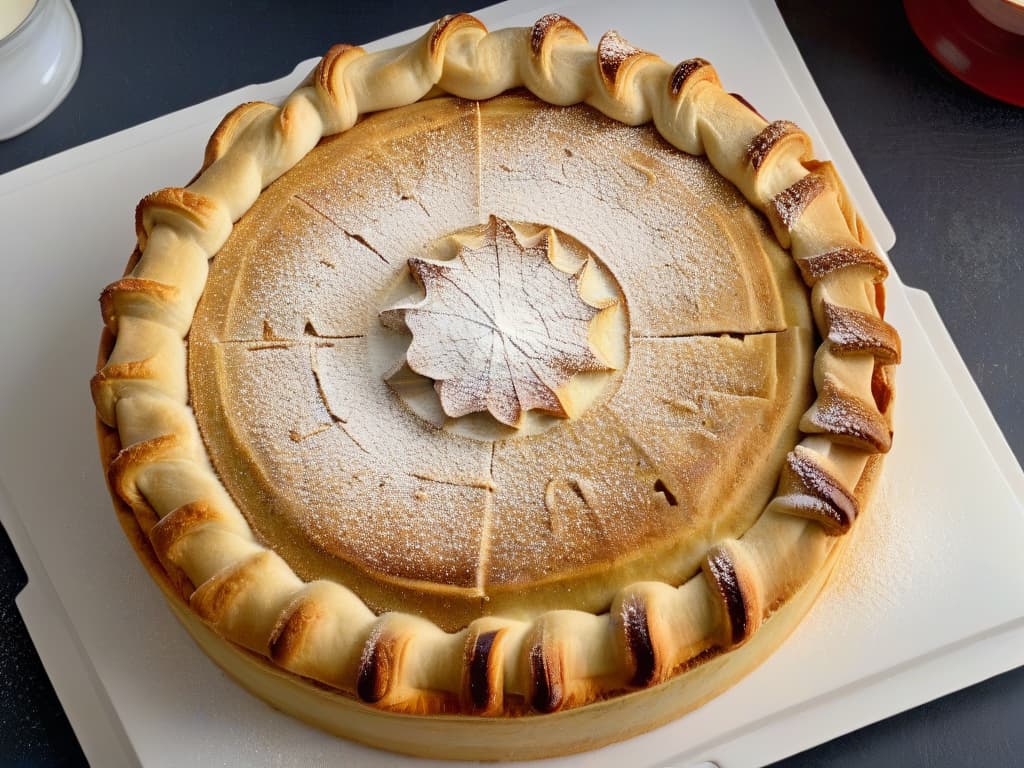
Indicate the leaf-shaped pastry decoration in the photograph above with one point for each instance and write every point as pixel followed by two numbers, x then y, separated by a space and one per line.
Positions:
pixel 500 328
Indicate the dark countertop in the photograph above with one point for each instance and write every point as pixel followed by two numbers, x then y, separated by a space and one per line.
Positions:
pixel 946 163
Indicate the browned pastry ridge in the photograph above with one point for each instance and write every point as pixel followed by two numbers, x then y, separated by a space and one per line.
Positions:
pixel 623 611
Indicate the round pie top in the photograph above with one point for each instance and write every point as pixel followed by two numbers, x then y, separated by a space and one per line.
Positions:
pixel 499 357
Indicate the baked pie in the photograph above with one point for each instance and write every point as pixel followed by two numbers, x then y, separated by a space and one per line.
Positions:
pixel 496 380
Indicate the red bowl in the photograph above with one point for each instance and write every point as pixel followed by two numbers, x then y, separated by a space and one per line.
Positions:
pixel 971 47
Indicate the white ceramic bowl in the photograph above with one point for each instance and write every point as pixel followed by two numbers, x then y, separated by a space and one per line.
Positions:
pixel 39 63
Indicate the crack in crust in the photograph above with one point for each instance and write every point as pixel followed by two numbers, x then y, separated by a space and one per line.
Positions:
pixel 250 597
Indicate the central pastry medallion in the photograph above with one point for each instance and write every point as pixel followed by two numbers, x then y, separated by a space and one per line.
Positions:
pixel 511 327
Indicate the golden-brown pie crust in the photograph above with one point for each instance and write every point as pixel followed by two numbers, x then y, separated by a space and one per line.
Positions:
pixel 201 550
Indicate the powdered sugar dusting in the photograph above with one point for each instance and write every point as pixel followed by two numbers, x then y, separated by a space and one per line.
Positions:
pixel 816 267
pixel 612 52
pixel 762 144
pixel 850 330
pixel 342 479
pixel 682 72
pixel 843 414
pixel 501 328
pixel 321 247
pixel 543 28
pixel 790 203
pixel 681 240
pixel 646 468
pixel 878 564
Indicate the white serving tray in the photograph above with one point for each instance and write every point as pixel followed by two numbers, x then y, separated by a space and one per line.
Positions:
pixel 928 599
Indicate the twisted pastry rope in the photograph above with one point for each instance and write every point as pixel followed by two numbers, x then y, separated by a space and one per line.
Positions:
pixel 323 631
